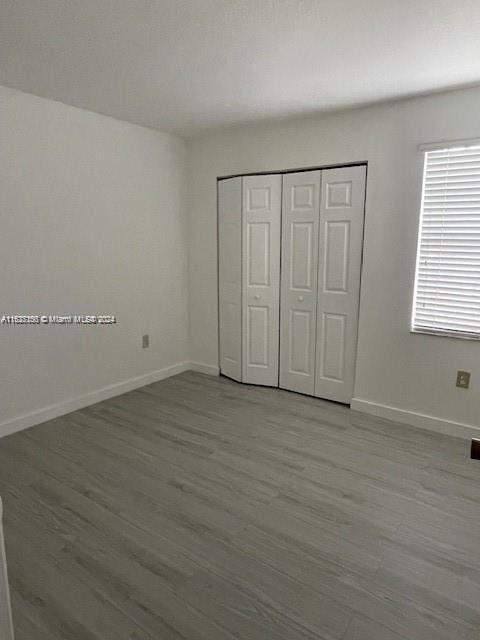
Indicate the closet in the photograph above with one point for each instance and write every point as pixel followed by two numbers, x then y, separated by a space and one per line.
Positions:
pixel 290 248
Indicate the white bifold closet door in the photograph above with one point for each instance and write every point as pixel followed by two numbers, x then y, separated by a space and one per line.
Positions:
pixel 315 319
pixel 230 276
pixel 339 265
pixel 261 210
pixel 300 216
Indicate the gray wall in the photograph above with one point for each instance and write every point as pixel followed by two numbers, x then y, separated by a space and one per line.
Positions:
pixel 395 369
pixel 93 220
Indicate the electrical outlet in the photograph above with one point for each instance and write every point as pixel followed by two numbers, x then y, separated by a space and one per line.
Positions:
pixel 463 379
pixel 145 341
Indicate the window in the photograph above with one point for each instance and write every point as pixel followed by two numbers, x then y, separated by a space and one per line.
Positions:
pixel 447 280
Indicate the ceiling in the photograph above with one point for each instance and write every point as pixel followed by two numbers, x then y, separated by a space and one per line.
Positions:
pixel 188 65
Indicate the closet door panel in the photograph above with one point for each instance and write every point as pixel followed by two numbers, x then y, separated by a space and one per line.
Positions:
pixel 261 275
pixel 300 215
pixel 230 276
pixel 340 251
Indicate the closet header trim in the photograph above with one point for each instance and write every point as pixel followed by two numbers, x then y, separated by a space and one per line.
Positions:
pixel 283 171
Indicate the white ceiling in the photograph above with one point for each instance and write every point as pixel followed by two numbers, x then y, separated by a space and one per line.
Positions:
pixel 187 65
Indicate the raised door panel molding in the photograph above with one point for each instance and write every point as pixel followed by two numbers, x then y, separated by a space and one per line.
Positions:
pixel 332 352
pixel 303 196
pixel 231 258
pixel 258 199
pixel 301 247
pixel 336 254
pixel 299 343
pixel 258 254
pixel 338 194
pixel 258 336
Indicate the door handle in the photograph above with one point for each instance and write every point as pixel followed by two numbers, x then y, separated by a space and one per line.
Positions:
pixel 256 296
pixel 300 298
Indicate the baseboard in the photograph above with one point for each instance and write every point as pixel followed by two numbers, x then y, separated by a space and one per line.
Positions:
pixel 415 419
pixel 201 367
pixel 62 408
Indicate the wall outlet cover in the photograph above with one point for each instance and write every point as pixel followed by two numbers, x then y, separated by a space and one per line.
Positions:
pixel 463 379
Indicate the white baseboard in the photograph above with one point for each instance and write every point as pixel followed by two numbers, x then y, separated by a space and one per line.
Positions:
pixel 201 367
pixel 415 419
pixel 62 408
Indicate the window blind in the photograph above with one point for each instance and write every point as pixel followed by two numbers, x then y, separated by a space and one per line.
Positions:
pixel 447 280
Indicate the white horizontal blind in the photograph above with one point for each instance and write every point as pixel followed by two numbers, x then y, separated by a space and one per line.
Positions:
pixel 447 281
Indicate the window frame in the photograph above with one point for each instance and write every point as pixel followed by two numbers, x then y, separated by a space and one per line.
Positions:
pixel 424 148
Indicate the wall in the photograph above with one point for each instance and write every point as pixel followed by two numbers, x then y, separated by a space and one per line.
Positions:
pixel 93 221
pixel 399 375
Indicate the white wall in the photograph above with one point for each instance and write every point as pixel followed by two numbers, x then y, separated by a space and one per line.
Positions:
pixel 394 368
pixel 92 220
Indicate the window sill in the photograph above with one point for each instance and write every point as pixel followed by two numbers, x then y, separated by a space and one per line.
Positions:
pixel 447 334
